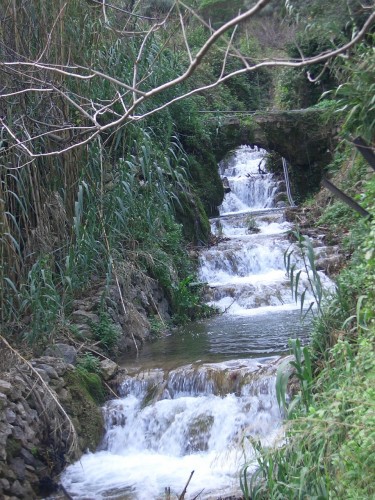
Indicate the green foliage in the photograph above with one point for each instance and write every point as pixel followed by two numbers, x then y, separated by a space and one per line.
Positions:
pixel 89 363
pixel 338 215
pixel 341 155
pixel 293 91
pixel 330 448
pixel 355 97
pixel 158 327
pixel 220 11
pixel 41 299
pixel 187 301
pixel 88 391
pixel 88 371
pixel 122 198
pixel 330 438
pixel 303 371
pixel 93 385
pixel 105 331
pixel 306 252
pixel 367 265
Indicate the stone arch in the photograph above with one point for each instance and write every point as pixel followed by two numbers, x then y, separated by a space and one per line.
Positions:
pixel 302 137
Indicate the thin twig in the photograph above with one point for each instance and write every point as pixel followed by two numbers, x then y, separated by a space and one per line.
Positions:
pixel 182 496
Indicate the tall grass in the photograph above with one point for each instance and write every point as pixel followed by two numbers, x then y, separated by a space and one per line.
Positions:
pixel 123 221
pixel 329 449
pixel 65 219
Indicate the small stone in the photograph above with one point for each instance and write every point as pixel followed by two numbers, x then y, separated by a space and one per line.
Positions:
pixel 18 467
pixel 281 204
pixel 43 374
pixel 65 351
pixel 18 433
pixel 28 457
pixel 29 434
pixel 5 387
pixel 64 395
pixel 4 483
pixel 32 415
pixel 10 416
pixel 108 368
pixel 21 409
pixel 16 394
pixel 17 489
pixel 3 400
pixel 51 372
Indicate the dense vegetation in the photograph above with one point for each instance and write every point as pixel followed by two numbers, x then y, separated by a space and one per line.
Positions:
pixel 330 440
pixel 125 206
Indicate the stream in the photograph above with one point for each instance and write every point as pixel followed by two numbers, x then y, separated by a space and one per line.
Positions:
pixel 194 400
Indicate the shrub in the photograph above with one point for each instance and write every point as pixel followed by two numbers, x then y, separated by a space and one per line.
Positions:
pixel 105 331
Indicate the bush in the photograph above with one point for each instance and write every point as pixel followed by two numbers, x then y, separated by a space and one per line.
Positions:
pixel 105 331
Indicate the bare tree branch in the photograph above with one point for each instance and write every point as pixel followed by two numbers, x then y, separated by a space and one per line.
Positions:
pixel 127 100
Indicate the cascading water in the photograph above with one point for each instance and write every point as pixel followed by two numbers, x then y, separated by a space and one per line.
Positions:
pixel 190 399
pixel 168 424
pixel 245 271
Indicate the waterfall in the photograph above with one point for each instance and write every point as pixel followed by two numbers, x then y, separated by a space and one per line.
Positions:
pixel 250 185
pixel 202 413
pixel 167 424
pixel 245 271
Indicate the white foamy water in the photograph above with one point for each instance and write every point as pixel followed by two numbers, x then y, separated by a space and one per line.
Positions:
pixel 166 425
pixel 245 272
pixel 249 187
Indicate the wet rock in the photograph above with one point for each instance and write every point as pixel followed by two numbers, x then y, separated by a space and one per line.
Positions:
pixel 281 204
pixel 226 185
pixel 281 196
pixel 64 351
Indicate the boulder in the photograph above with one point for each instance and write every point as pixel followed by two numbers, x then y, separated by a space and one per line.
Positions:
pixel 65 351
pixel 108 369
pixel 85 316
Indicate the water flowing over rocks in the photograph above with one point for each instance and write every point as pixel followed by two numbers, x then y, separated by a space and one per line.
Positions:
pixel 167 423
pixel 202 414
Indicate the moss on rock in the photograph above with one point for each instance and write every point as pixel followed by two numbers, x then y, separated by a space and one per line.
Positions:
pixel 86 392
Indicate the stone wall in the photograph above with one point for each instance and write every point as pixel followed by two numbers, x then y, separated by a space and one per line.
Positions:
pixel 47 418
pixel 305 138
